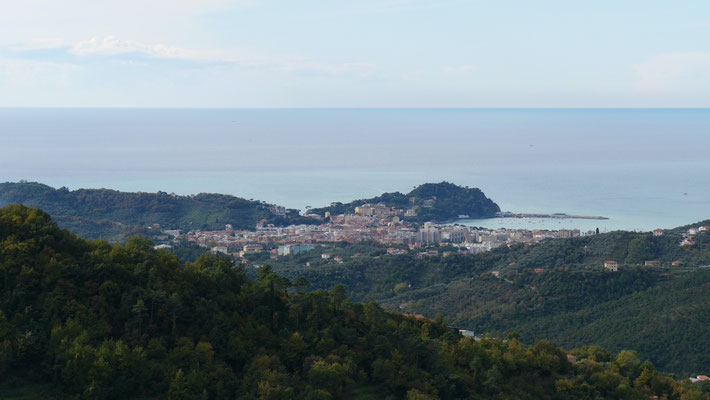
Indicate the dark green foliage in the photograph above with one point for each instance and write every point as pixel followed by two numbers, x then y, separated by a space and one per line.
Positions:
pixel 187 251
pixel 88 320
pixel 661 312
pixel 114 216
pixel 640 250
pixel 449 201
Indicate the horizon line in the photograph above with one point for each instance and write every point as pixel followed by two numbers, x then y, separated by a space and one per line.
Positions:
pixel 334 108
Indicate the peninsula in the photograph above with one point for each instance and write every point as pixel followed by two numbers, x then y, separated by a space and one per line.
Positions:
pixel 430 202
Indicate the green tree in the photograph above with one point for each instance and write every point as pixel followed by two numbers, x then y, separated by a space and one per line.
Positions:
pixel 178 387
pixel 640 249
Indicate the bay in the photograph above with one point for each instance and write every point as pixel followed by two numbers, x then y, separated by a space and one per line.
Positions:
pixel 641 168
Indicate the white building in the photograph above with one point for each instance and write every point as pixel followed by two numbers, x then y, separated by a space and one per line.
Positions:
pixel 455 234
pixel 428 234
pixel 252 248
pixel 611 265
pixel 294 249
pixel 220 249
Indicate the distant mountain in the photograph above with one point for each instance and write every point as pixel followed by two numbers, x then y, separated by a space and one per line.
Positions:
pixel 431 202
pixel 113 215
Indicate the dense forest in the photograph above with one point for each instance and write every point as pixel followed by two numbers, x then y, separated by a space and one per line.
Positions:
pixel 115 216
pixel 433 202
pixel 571 299
pixel 89 320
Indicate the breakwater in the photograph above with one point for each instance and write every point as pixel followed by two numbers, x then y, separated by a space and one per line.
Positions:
pixel 556 215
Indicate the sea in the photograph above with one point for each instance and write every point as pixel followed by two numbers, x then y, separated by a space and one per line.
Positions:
pixel 641 168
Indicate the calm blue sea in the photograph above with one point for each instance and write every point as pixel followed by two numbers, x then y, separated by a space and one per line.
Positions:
pixel 642 168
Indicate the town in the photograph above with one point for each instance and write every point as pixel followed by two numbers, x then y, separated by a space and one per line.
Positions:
pixel 370 223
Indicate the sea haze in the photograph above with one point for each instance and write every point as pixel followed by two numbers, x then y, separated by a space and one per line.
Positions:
pixel 642 168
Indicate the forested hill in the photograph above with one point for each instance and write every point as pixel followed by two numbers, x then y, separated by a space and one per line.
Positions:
pixel 660 311
pixel 88 320
pixel 113 215
pixel 432 201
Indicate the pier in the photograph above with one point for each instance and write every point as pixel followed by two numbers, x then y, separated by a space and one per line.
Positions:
pixel 556 215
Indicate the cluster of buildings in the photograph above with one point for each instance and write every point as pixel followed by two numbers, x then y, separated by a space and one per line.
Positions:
pixel 370 222
pixel 688 239
pixel 381 224
pixel 689 236
pixel 613 266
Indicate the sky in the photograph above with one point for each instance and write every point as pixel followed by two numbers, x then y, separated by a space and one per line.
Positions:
pixel 365 53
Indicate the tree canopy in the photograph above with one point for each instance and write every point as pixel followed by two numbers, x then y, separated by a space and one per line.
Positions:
pixel 90 320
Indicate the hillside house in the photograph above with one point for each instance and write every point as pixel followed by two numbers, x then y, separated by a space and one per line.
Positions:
pixel 220 249
pixel 688 241
pixel 611 265
pixel 252 248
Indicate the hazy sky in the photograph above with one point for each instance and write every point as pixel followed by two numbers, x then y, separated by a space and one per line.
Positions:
pixel 364 53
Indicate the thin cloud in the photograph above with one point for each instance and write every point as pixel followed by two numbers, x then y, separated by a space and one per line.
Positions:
pixel 124 8
pixel 687 70
pixel 307 66
pixel 108 47
pixel 387 6
pixel 31 72
pixel 34 45
pixel 460 69
pixel 111 46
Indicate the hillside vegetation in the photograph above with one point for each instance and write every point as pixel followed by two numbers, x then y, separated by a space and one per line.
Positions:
pixel 662 312
pixel 89 320
pixel 113 215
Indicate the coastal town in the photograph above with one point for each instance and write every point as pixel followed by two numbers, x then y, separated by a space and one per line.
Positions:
pixel 378 223
pixel 369 223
